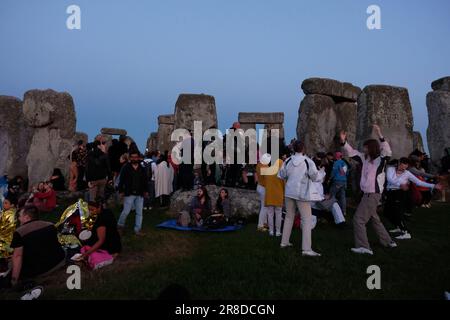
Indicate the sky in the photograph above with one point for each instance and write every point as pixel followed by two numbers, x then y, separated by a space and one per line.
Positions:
pixel 131 59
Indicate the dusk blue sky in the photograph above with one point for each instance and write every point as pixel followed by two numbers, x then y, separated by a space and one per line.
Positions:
pixel 131 59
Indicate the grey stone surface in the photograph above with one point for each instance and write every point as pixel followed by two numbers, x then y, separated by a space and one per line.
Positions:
pixel 243 202
pixel 261 117
pixel 15 138
pixel 195 107
pixel 114 131
pixel 52 115
pixel 48 108
pixel 166 125
pixel 417 141
pixel 390 108
pixel 438 132
pixel 441 84
pixel 317 122
pixel 278 126
pixel 340 91
pixel 346 119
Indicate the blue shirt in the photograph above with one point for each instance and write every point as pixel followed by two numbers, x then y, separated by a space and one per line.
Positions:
pixel 340 171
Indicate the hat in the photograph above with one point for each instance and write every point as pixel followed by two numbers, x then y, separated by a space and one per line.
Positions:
pixel 338 155
pixel 265 159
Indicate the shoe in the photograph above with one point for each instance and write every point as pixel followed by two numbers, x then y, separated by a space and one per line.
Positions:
pixel 286 245
pixel 262 229
pixel 33 294
pixel 392 244
pixel 278 234
pixel 271 234
pixel 310 253
pixel 404 236
pixel 397 230
pixel 362 250
pixel 140 234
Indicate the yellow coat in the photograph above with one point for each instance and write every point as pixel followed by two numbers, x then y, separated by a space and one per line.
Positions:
pixel 274 187
pixel 7 228
pixel 261 180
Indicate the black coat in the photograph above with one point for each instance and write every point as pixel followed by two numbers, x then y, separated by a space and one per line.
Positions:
pixel 125 182
pixel 97 167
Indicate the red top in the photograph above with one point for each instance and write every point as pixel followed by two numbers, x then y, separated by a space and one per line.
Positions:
pixel 49 197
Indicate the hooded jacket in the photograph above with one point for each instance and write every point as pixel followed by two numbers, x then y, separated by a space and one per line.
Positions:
pixel 296 174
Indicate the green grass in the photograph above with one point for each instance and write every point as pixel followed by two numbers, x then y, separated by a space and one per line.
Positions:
pixel 250 265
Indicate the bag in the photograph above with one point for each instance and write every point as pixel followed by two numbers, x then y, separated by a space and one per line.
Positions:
pixel 310 192
pixel 416 195
pixel 98 259
pixel 215 221
pixel 184 219
pixel 147 164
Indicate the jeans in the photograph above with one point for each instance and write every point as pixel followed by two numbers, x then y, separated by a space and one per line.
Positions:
pixel 128 203
pixel 338 191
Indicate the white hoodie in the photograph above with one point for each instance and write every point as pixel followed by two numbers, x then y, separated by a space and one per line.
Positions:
pixel 294 173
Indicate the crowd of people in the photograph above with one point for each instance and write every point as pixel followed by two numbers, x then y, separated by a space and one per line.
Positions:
pixel 292 185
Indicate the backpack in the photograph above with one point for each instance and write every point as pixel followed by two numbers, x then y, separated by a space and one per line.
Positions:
pixel 147 165
pixel 215 221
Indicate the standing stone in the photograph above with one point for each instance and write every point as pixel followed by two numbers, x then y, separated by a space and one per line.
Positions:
pixel 339 91
pixel 15 138
pixel 52 115
pixel 279 126
pixel 438 132
pixel 165 129
pixel 441 84
pixel 261 117
pixel 417 141
pixel 346 118
pixel 317 123
pixel 390 108
pixel 195 107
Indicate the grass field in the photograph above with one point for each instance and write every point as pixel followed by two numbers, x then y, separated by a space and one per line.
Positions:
pixel 250 265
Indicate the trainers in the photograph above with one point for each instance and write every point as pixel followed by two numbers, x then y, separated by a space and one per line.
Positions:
pixel 310 253
pixel 392 244
pixel 286 245
pixel 278 234
pixel 33 294
pixel 397 230
pixel 271 234
pixel 362 250
pixel 404 236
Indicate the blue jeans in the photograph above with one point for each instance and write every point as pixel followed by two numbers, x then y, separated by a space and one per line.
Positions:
pixel 128 203
pixel 337 190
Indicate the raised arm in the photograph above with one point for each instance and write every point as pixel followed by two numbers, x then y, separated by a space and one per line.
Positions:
pixel 419 182
pixel 384 146
pixel 347 148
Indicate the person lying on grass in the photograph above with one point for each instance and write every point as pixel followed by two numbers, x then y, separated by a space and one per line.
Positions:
pixel 105 235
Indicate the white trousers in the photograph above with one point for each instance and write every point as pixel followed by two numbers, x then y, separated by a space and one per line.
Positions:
pixel 262 211
pixel 271 212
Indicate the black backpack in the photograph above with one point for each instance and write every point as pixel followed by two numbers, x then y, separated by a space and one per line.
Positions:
pixel 147 165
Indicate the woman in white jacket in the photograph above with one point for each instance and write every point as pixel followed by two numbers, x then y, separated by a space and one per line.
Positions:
pixel 297 170
pixel 398 180
pixel 163 180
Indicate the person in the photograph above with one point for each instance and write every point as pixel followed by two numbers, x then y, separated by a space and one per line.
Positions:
pixel 274 198
pixel 114 157
pixel 150 169
pixel 398 179
pixel 373 160
pixel 261 190
pixel 200 206
pixel 417 170
pixel 338 179
pixel 73 174
pixel 97 170
pixel 297 170
pixel 105 235
pixel 326 202
pixel 7 225
pixel 79 155
pixel 17 186
pixel 45 200
pixel 37 250
pixel 163 180
pixel 223 205
pixel 57 180
pixel 133 188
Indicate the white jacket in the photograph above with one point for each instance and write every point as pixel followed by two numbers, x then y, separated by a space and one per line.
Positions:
pixel 294 173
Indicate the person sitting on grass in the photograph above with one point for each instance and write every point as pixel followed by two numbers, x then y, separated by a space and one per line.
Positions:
pixel 45 200
pixel 200 206
pixel 37 250
pixel 223 204
pixel 328 202
pixel 105 235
